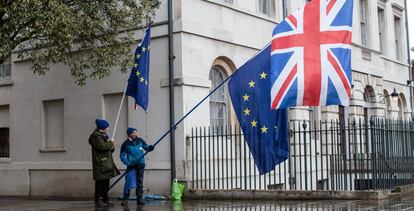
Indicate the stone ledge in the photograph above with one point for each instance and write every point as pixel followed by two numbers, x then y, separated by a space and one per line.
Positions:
pixel 187 81
pixel 6 82
pixel 295 195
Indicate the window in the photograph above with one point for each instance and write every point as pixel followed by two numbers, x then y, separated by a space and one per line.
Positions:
pixel 267 7
pixel 387 104
pixel 4 131
pixel 218 100
pixel 398 46
pixel 53 127
pixel 4 143
pixel 5 69
pixel 363 22
pixel 400 109
pixel 381 29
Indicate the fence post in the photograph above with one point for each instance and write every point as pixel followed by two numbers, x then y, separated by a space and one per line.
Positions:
pixel 304 126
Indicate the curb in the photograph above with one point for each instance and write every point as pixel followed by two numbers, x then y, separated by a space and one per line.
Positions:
pixel 237 194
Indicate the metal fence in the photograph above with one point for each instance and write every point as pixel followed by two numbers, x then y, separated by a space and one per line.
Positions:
pixel 324 155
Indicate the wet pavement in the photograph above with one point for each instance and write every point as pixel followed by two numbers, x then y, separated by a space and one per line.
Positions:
pixel 401 203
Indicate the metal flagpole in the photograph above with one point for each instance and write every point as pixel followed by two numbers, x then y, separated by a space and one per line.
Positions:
pixel 120 106
pixel 174 126
pixel 182 118
pixel 119 112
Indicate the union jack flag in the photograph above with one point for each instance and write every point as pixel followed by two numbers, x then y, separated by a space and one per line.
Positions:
pixel 311 56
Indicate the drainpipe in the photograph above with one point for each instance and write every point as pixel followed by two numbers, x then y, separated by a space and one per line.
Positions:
pixel 171 58
pixel 409 57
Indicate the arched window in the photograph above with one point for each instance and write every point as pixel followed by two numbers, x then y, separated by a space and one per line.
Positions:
pixel 369 97
pixel 387 104
pixel 402 106
pixel 219 99
pixel 400 109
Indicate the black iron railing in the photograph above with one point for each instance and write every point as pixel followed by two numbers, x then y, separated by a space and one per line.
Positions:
pixel 324 155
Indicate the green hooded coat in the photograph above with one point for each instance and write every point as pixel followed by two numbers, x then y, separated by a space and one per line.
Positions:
pixel 102 161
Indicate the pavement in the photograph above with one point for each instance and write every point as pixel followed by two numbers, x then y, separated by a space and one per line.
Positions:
pixel 20 204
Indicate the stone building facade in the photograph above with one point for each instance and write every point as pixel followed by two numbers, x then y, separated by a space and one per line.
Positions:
pixel 45 121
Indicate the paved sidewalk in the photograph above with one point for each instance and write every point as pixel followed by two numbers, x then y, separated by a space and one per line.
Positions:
pixel 403 203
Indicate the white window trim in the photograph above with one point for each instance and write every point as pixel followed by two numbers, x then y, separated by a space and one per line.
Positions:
pixel 367 38
pixel 7 62
pixel 382 42
pixel 271 11
pixel 224 101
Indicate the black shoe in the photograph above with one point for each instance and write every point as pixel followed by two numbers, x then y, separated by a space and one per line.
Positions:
pixel 99 204
pixel 140 202
pixel 107 204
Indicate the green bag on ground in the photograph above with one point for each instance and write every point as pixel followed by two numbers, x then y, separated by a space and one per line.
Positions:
pixel 177 191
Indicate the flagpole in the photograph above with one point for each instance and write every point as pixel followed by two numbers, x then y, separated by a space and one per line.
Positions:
pixel 122 101
pixel 174 126
pixel 119 112
pixel 182 118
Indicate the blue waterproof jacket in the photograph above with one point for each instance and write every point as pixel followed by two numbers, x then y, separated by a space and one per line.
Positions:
pixel 132 150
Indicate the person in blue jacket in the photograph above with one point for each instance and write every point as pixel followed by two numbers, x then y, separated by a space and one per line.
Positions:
pixel 131 150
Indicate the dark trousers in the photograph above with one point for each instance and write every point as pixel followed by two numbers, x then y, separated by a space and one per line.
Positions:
pixel 139 169
pixel 101 190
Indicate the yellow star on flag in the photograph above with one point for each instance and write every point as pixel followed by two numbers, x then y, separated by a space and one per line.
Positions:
pixel 246 97
pixel 254 123
pixel 137 73
pixel 142 79
pixel 263 75
pixel 135 65
pixel 264 129
pixel 251 84
pixel 138 56
pixel 143 49
pixel 246 111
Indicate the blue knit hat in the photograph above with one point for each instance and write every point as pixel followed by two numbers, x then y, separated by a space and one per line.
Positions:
pixel 101 124
pixel 130 130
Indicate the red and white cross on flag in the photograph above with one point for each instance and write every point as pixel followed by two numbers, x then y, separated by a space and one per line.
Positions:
pixel 311 56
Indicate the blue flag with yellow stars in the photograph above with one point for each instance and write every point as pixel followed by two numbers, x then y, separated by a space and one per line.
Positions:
pixel 138 80
pixel 265 130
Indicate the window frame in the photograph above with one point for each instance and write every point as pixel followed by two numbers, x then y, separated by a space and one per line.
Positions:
pixel 222 102
pixel 382 35
pixel 5 69
pixel 397 20
pixel 4 144
pixel 363 21
pixel 267 7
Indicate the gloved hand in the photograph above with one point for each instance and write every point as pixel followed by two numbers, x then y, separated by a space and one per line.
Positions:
pixel 131 166
pixel 150 148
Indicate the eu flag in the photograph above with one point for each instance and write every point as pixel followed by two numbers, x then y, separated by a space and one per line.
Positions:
pixel 138 80
pixel 265 130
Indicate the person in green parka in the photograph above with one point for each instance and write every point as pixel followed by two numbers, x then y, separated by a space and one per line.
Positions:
pixel 103 164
